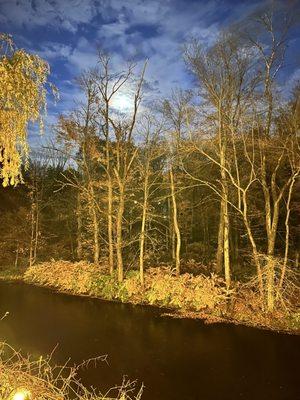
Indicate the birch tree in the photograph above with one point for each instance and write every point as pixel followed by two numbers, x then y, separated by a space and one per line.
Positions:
pixel 149 152
pixel 221 72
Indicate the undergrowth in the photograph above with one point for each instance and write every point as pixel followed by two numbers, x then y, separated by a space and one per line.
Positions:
pixel 186 293
pixel 12 273
pixel 162 287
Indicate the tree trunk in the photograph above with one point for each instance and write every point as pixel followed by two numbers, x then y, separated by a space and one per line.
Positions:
pixel 271 234
pixel 226 246
pixel 253 244
pixel 143 226
pixel 119 239
pixel 17 256
pixel 219 258
pixel 110 228
pixel 175 224
pixel 37 225
pixel 270 283
pixel 287 234
pixel 33 236
pixel 142 244
pixel 271 269
pixel 109 200
pixel 79 228
pixel 96 234
pixel 225 214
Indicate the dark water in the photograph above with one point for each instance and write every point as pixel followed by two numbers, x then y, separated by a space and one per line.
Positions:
pixel 176 359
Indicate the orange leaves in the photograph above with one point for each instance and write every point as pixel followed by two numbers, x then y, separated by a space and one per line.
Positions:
pixel 67 130
pixel 64 275
pixel 162 287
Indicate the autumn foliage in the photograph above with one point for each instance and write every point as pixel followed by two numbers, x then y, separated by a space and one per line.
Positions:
pixel 162 286
pixel 23 77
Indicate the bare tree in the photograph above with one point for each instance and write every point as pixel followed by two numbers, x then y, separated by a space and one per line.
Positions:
pixel 177 112
pixel 222 73
pixel 109 85
pixel 78 133
pixel 149 152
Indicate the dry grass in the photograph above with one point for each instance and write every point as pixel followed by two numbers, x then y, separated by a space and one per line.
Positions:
pixel 41 381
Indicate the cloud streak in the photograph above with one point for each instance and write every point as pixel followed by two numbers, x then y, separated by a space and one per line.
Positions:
pixel 68 33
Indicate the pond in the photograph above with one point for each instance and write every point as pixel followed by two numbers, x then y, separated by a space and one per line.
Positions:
pixel 174 358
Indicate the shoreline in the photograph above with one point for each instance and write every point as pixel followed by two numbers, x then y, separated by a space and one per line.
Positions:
pixel 169 312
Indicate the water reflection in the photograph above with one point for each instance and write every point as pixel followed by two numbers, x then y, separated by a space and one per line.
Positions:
pixel 176 359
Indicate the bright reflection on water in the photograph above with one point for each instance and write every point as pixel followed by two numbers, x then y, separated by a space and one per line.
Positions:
pixel 176 359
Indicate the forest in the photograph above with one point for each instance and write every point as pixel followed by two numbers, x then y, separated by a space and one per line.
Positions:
pixel 189 202
pixel 204 182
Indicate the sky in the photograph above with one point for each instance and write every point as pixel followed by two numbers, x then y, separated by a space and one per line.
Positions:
pixel 67 34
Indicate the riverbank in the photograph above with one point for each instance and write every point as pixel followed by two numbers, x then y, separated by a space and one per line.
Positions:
pixel 187 296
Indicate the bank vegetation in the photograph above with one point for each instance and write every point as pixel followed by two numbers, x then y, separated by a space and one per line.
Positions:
pixel 205 181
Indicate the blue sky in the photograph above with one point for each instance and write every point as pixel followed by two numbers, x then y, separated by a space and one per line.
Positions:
pixel 67 32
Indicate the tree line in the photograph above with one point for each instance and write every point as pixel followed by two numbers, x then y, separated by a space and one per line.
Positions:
pixel 205 180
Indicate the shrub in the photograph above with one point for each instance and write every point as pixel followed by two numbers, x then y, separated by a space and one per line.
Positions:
pixel 131 287
pixel 74 277
pixel 162 287
pixel 105 286
pixel 184 291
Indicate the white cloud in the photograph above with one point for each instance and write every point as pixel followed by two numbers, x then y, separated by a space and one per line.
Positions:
pixel 83 56
pixel 290 83
pixel 53 50
pixel 129 29
pixel 172 23
pixel 56 13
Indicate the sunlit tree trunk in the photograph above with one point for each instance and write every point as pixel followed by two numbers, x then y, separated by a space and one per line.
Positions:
pixel 253 243
pixel 34 221
pixel 175 222
pixel 109 190
pixel 226 246
pixel 109 84
pixel 143 226
pixel 224 191
pixel 17 256
pixel 95 231
pixel 287 233
pixel 33 225
pixel 119 236
pixel 272 204
pixel 110 227
pixel 90 186
pixel 79 227
pixel 37 227
pixel 220 250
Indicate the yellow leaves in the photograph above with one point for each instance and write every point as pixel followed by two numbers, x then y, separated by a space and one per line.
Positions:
pixel 22 100
pixel 186 291
pixel 73 277
pixel 162 287
pixel 6 41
